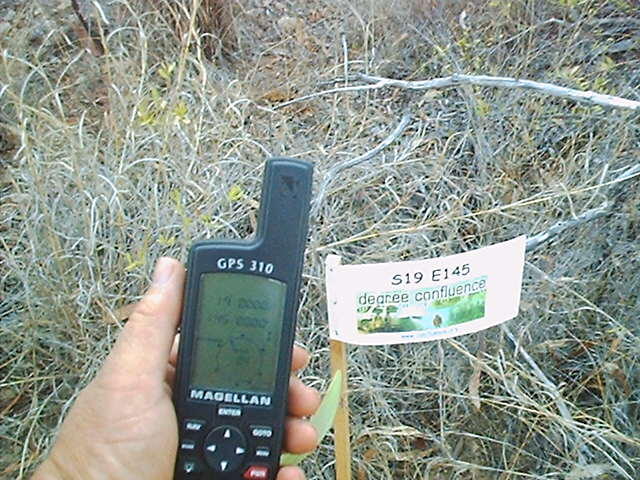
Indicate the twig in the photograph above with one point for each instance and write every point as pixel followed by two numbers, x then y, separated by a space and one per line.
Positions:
pixel 527 30
pixel 95 33
pixel 355 88
pixel 444 218
pixel 625 21
pixel 551 387
pixel 629 173
pixel 506 82
pixel 376 83
pixel 556 229
pixel 533 243
pixel 334 171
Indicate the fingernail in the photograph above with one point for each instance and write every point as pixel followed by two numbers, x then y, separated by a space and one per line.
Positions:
pixel 163 271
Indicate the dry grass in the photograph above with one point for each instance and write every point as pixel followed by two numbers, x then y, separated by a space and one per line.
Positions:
pixel 111 162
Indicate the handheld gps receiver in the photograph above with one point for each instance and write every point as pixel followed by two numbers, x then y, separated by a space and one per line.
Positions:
pixel 237 332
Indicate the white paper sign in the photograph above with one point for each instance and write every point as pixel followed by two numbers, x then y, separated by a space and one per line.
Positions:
pixel 423 300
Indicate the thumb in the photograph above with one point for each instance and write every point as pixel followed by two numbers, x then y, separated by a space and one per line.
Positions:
pixel 144 345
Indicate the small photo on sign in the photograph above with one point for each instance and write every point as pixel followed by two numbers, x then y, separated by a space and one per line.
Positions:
pixel 422 309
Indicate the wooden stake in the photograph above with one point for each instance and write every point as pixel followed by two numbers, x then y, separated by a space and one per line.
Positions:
pixel 341 422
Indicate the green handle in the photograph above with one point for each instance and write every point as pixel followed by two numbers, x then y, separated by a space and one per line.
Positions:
pixel 322 420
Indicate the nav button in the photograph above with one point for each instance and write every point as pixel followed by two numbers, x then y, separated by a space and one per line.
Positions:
pixel 225 448
pixel 194 425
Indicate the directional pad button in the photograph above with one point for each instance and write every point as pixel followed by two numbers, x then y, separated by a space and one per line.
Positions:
pixel 225 448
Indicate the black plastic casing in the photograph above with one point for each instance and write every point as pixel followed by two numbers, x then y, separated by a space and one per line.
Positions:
pixel 280 240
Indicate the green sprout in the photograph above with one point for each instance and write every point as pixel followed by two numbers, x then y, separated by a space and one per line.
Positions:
pixel 323 418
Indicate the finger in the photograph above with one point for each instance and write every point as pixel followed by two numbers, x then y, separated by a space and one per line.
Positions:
pixel 302 401
pixel 290 473
pixel 300 436
pixel 173 356
pixel 145 342
pixel 299 359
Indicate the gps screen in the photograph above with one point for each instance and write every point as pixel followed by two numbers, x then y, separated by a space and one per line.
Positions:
pixel 238 327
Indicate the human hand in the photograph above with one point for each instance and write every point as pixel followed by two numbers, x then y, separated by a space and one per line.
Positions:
pixel 123 424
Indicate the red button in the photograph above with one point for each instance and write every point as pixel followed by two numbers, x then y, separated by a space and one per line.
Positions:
pixel 256 472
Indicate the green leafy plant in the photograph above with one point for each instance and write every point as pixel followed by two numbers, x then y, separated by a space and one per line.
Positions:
pixel 236 193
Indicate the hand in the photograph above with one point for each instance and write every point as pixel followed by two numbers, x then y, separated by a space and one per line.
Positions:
pixel 123 424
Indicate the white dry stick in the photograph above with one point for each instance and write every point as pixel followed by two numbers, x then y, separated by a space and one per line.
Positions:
pixel 334 171
pixel 376 83
pixel 356 88
pixel 557 228
pixel 506 82
pixel 629 173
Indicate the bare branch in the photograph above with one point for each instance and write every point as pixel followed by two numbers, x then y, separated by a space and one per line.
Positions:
pixel 334 171
pixel 556 229
pixel 355 88
pixel 533 243
pixel 579 96
pixel 506 82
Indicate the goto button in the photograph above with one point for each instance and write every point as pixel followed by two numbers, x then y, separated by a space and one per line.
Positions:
pixel 260 431
pixel 256 472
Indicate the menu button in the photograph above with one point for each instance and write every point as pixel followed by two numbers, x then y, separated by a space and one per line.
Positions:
pixel 262 452
pixel 188 445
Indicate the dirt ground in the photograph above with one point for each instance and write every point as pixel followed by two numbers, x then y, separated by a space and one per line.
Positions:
pixel 108 162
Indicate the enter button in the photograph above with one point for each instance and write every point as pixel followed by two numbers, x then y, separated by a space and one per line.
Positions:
pixel 229 411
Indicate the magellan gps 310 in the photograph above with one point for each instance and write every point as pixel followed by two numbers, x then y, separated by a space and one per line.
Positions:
pixel 237 332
